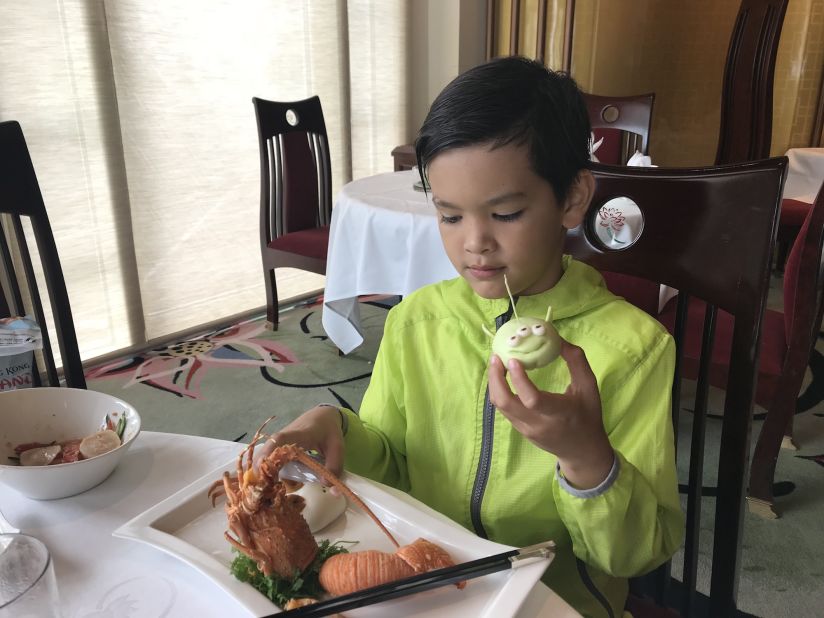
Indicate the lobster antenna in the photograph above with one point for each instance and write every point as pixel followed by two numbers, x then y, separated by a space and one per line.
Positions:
pixel 512 300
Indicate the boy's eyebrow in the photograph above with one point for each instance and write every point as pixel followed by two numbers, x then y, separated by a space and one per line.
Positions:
pixel 493 201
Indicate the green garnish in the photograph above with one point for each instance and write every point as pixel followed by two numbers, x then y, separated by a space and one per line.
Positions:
pixel 121 427
pixel 280 590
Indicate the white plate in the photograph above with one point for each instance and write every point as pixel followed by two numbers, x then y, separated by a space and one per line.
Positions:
pixel 186 526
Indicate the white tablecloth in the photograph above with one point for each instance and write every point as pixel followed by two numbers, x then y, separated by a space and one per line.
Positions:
pixel 383 239
pixel 804 174
pixel 100 576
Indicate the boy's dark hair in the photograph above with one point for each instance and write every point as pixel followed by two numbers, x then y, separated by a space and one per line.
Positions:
pixel 512 100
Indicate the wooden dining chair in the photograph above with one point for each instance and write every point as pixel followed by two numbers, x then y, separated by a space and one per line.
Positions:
pixel 623 123
pixel 709 232
pixel 747 90
pixel 22 204
pixel 788 338
pixel 295 190
pixel 622 126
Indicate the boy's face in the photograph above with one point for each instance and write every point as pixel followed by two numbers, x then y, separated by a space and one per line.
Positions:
pixel 497 216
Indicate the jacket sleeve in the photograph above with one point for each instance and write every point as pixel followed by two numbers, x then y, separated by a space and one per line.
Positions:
pixel 637 523
pixel 375 439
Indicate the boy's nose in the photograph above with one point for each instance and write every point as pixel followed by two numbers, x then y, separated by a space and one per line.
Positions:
pixel 478 240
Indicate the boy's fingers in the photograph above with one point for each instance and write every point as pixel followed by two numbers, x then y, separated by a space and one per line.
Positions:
pixel 579 370
pixel 333 455
pixel 499 392
pixel 526 390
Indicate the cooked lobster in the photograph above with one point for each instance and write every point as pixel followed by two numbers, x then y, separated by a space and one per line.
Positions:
pixel 266 524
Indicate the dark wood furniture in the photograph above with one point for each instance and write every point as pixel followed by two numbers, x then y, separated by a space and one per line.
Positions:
pixel 22 202
pixel 295 190
pixel 709 233
pixel 404 157
pixel 787 341
pixel 747 98
pixel 624 124
pixel 747 92
pixel 794 335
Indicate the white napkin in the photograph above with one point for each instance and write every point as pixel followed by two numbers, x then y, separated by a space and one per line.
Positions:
pixel 593 146
pixel 639 160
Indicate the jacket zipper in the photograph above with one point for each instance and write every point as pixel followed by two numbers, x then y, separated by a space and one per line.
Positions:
pixel 482 472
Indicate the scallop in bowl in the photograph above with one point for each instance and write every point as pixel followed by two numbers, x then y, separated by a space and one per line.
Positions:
pixel 78 421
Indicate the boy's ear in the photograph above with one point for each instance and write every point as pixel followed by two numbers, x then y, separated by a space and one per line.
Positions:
pixel 578 199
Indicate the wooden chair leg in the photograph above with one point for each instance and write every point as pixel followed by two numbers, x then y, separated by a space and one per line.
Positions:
pixel 271 298
pixel 762 471
pixel 788 441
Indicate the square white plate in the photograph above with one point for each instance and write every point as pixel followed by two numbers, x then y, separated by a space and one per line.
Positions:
pixel 186 526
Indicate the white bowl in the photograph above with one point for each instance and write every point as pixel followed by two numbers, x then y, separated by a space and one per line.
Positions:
pixel 57 414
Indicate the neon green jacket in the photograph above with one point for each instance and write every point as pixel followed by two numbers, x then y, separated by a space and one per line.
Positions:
pixel 423 429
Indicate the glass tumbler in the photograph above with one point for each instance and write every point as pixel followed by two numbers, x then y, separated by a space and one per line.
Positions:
pixel 28 588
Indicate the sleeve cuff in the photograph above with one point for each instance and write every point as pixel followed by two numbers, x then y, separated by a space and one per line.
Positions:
pixel 595 491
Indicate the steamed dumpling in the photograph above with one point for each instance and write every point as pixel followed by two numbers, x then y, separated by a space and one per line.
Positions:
pixel 322 508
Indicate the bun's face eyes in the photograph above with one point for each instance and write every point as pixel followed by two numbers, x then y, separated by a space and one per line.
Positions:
pixel 533 342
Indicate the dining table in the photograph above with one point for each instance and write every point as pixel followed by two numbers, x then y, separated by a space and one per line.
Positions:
pixel 805 172
pixel 102 576
pixel 383 239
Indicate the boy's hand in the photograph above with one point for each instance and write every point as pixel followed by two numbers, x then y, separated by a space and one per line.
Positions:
pixel 316 429
pixel 569 425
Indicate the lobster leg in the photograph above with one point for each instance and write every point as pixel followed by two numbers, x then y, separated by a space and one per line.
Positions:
pixel 259 557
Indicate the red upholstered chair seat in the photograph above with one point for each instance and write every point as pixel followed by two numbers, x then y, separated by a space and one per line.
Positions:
pixel 771 359
pixel 311 243
pixel 793 213
pixel 295 190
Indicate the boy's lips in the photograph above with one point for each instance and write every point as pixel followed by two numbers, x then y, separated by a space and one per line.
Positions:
pixel 484 272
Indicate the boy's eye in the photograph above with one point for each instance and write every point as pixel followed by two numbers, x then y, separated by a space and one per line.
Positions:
pixel 445 219
pixel 508 217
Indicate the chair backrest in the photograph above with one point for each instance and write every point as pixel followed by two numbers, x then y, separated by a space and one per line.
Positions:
pixel 624 124
pixel 804 287
pixel 709 233
pixel 20 198
pixel 747 93
pixel 295 167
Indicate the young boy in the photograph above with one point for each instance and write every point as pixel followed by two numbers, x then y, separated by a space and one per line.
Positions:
pixel 580 451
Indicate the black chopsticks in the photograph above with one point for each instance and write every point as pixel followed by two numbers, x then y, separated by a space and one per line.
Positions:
pixel 424 581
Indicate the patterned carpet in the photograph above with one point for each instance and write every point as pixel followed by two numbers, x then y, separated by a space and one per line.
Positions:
pixel 223 384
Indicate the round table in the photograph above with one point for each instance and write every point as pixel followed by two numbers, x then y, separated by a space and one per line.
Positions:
pixel 383 239
pixel 101 576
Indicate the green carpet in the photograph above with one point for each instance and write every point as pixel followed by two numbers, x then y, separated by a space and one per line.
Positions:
pixel 225 383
